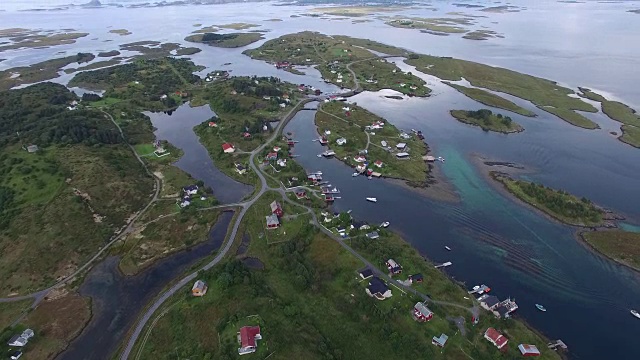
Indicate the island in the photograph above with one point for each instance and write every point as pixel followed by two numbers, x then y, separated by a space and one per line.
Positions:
pixel 24 38
pixel 487 120
pixel 558 204
pixel 372 145
pixel 619 112
pixel 231 40
pixel 121 32
pixel 619 245
pixel 438 25
pixel 42 71
pixel 490 99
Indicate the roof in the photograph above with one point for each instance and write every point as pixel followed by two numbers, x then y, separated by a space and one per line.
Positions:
pixel 496 337
pixel 28 333
pixel 423 309
pixel 402 154
pixel 490 300
pixel 392 263
pixel 239 167
pixel 440 340
pixel 274 206
pixel 272 220
pixel 366 273
pixel 248 335
pixel 526 349
pixel 417 276
pixel 401 145
pixel 373 235
pixel 199 285
pixel 226 146
pixel 502 310
pixel 376 285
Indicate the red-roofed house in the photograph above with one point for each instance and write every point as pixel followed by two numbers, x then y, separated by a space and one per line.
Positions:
pixel 495 338
pixel 421 313
pixel 212 124
pixel 246 135
pixel 228 148
pixel 301 194
pixel 359 158
pixel 378 163
pixel 276 148
pixel 247 338
pixel 528 350
pixel 276 208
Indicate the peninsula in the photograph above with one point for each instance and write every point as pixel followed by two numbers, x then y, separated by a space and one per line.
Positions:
pixel 487 120
pixel 558 204
pixel 621 246
pixel 231 40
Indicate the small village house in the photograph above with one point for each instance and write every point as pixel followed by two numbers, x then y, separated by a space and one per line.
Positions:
pixel 199 288
pixel 378 289
pixel 247 338
pixel 359 158
pixel 416 278
pixel 240 169
pixel 394 267
pixel 440 341
pixel 378 163
pixel 190 190
pixel 528 350
pixel 489 302
pixel 496 338
pixel 402 155
pixel 366 273
pixel 373 235
pixel 22 339
pixel 272 221
pixel 15 355
pixel 421 312
pixel 271 156
pixel 276 208
pixel 276 148
pixel 228 148
pixel 401 146
pixel 341 141
pixel 301 194
pixel 185 202
pixel 32 148
pixel 281 162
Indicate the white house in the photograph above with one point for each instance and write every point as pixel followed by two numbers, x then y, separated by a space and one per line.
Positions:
pixel 401 146
pixel 282 162
pixel 341 141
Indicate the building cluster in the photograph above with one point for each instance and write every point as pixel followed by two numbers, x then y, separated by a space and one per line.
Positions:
pixel 273 220
pixel 500 309
pixel 188 193
pixel 19 341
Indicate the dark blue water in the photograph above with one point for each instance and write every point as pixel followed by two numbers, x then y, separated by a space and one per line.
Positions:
pixel 116 300
pixel 496 240
pixel 177 128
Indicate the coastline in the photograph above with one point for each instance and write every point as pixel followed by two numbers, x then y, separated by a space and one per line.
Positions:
pixel 579 236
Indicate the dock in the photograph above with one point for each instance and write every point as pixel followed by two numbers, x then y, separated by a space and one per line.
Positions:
pixel 557 344
pixel 448 263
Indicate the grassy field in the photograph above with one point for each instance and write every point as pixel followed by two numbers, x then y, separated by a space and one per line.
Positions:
pixel 33 40
pixel 10 311
pixel 491 122
pixel 622 246
pixel 306 284
pixel 481 35
pixel 231 40
pixel 555 203
pixel 620 112
pixel 332 117
pixel 441 25
pixel 56 323
pixel 376 74
pixel 490 99
pixel 545 94
pixel 357 11
pixel 38 72
pixel 237 26
pixel 156 240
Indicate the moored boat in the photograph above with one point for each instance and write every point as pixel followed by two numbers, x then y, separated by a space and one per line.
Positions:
pixel 635 313
pixel 448 248
pixel 372 199
pixel 355 174
pixel 385 224
pixel 541 308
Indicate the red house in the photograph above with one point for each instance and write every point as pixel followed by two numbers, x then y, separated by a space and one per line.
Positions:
pixel 272 221
pixel 421 313
pixel 228 148
pixel 301 194
pixel 247 338
pixel 528 350
pixel 271 156
pixel 495 338
pixel 276 209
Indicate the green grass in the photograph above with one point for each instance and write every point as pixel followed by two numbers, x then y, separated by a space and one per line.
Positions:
pixel 309 290
pixel 495 122
pixel 39 72
pixel 546 94
pixel 382 73
pixel 622 246
pixel 620 112
pixel 10 311
pixel 556 203
pixel 449 26
pixel 351 128
pixel 145 149
pixel 232 40
pixel 490 99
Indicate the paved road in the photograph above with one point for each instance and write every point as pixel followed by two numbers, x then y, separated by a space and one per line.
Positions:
pixel 244 207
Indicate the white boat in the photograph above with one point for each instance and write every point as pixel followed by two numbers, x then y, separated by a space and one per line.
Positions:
pixel 355 174
pixel 370 178
pixel 372 199
pixel 448 248
pixel 385 224
pixel 635 313
pixel 541 308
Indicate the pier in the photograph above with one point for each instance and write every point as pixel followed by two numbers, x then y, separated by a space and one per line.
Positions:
pixel 448 263
pixel 557 344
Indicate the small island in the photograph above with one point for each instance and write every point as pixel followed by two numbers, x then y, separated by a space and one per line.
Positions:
pixel 232 40
pixel 121 32
pixel 558 204
pixel 487 120
pixel 619 112
pixel 490 99
pixel 621 246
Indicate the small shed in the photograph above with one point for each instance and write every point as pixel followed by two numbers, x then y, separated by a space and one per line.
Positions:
pixel 199 288
pixel 440 341
pixel 32 148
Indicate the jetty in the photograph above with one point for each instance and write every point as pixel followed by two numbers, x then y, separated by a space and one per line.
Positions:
pixel 557 344
pixel 448 263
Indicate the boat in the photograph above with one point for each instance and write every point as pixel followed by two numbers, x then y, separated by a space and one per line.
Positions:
pixel 355 174
pixel 448 248
pixel 372 199
pixel 479 289
pixel 541 308
pixel 635 313
pixel 370 177
pixel 385 224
